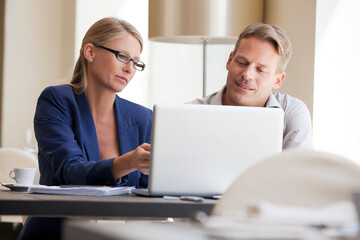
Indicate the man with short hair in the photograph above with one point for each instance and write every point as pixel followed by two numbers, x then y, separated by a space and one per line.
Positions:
pixel 256 68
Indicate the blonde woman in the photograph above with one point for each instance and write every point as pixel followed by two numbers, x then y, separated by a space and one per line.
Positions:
pixel 87 134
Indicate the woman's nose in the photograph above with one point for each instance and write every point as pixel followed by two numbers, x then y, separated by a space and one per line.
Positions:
pixel 127 67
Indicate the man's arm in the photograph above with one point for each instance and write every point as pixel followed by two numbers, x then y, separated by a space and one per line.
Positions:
pixel 298 129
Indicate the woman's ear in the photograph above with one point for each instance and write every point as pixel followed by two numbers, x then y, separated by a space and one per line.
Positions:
pixel 89 52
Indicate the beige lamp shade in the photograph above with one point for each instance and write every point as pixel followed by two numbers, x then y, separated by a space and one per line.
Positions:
pixel 192 21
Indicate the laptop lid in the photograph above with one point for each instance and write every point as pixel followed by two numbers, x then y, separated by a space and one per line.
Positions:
pixel 201 149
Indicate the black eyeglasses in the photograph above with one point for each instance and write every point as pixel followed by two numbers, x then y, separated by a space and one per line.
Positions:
pixel 125 58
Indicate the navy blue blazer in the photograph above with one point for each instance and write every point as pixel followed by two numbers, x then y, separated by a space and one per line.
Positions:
pixel 67 140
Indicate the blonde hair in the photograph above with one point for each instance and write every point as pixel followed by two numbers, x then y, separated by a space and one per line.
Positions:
pixel 272 34
pixel 100 32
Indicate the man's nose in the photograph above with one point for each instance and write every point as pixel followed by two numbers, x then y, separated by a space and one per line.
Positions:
pixel 248 74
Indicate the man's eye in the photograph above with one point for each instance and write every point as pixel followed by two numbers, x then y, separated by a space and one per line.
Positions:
pixel 261 70
pixel 241 63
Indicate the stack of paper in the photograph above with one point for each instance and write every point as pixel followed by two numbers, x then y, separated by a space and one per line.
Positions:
pixel 80 190
pixel 337 214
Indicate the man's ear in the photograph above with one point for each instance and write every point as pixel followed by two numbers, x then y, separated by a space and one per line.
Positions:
pixel 89 51
pixel 279 80
pixel 229 60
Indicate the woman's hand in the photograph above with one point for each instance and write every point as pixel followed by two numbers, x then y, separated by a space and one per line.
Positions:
pixel 138 159
pixel 141 158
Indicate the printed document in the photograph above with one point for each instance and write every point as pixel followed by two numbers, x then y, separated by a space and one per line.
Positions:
pixel 80 190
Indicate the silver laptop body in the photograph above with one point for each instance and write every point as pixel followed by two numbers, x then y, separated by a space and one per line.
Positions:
pixel 201 149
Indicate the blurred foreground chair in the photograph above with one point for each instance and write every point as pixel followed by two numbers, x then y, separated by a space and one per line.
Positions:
pixel 15 158
pixel 301 178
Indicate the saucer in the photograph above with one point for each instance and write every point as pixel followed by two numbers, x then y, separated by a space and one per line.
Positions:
pixel 16 187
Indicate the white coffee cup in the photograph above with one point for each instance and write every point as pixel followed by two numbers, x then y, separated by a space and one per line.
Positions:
pixel 23 176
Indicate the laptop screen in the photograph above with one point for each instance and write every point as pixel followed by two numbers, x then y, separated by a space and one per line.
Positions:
pixel 201 149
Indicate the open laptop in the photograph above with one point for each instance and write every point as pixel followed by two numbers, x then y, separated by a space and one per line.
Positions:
pixel 199 150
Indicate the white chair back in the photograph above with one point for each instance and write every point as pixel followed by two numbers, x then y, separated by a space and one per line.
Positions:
pixel 294 177
pixel 16 158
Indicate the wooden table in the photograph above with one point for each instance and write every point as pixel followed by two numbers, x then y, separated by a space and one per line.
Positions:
pixel 123 206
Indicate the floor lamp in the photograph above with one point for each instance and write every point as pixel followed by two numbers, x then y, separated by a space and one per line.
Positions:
pixel 202 22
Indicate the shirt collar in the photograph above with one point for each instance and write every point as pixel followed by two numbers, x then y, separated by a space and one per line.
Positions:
pixel 217 98
pixel 272 102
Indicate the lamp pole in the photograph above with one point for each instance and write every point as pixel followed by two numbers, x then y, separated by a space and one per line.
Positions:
pixel 205 41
